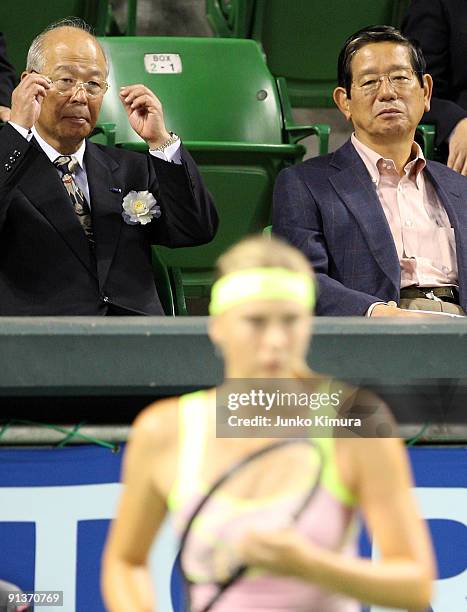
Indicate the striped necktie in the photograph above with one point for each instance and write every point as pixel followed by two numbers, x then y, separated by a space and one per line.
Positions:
pixel 67 165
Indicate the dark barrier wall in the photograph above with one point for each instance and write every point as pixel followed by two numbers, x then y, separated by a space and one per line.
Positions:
pixel 119 364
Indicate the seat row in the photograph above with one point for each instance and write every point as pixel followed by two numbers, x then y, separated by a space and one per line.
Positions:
pixel 233 116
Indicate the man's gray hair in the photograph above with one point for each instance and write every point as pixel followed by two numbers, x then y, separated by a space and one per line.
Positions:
pixel 36 56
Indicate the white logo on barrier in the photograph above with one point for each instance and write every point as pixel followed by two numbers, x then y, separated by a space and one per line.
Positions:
pixel 56 512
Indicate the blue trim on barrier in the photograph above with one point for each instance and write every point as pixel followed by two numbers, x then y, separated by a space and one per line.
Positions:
pixel 91 539
pixel 18 557
pixel 46 467
pixel 177 588
pixel 445 473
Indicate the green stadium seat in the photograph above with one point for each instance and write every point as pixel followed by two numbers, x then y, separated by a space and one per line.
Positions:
pixel 302 39
pixel 426 134
pixel 309 63
pixel 231 18
pixel 22 20
pixel 163 283
pixel 232 116
pixel 132 7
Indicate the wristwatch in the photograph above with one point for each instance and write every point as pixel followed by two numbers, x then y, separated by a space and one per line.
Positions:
pixel 173 138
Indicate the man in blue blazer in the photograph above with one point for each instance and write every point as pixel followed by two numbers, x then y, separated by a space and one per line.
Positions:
pixel 384 230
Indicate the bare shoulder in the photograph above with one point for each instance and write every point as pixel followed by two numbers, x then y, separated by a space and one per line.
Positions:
pixel 368 412
pixel 152 447
pixel 376 451
pixel 157 425
pixel 376 464
pixel 371 450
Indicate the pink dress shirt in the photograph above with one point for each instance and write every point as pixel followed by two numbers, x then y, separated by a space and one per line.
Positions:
pixel 417 219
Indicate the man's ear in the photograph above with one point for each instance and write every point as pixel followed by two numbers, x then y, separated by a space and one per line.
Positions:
pixel 342 102
pixel 427 90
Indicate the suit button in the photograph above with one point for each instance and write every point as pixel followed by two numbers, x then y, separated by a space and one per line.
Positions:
pixel 12 159
pixel 105 299
pixel 16 153
pixel 7 167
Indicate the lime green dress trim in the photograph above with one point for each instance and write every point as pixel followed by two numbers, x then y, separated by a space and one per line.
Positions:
pixel 191 426
pixel 330 478
pixel 192 433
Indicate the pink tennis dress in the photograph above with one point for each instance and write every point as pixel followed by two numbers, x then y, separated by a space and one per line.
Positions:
pixel 329 522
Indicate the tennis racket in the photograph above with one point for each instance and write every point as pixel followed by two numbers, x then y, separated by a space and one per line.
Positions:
pixel 269 489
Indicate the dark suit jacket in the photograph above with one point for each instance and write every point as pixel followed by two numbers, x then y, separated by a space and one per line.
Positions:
pixel 440 26
pixel 45 262
pixel 328 208
pixel 7 75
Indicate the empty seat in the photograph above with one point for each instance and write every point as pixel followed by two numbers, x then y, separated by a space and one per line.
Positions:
pixel 220 98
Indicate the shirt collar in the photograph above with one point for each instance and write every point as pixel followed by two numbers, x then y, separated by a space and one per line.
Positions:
pixel 371 159
pixel 52 153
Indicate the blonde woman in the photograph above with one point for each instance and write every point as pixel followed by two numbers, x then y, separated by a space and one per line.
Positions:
pixel 261 322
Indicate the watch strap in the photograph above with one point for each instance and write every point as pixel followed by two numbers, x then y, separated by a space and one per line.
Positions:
pixel 173 138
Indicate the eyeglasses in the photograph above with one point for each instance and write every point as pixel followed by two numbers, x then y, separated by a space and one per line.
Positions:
pixel 399 80
pixel 66 85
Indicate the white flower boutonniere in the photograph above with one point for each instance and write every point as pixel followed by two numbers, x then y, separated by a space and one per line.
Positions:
pixel 140 207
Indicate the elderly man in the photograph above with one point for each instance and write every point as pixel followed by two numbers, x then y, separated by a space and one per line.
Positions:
pixel 383 228
pixel 77 219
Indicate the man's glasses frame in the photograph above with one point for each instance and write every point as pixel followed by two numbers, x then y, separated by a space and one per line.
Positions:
pixel 400 80
pixel 65 86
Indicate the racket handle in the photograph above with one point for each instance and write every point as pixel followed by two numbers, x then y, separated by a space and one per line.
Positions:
pixel 225 585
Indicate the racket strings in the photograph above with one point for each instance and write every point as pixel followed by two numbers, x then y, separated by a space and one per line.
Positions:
pixel 265 493
pixel 211 549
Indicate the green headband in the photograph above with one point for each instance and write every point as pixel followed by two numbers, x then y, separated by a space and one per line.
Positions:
pixel 261 284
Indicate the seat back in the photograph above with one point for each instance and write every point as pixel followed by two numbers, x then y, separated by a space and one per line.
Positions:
pixel 23 20
pixel 211 89
pixel 230 18
pixel 309 64
pixel 163 284
pixel 302 39
pixel 220 98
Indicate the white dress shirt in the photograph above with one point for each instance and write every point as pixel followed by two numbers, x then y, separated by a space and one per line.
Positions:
pixel 417 219
pixel 170 154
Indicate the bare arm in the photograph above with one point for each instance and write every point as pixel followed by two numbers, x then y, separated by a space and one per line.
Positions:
pixel 403 576
pixel 126 582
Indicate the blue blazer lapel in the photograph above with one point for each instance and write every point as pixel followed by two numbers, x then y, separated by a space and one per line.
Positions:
pixel 106 206
pixel 355 188
pixel 449 193
pixel 46 192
